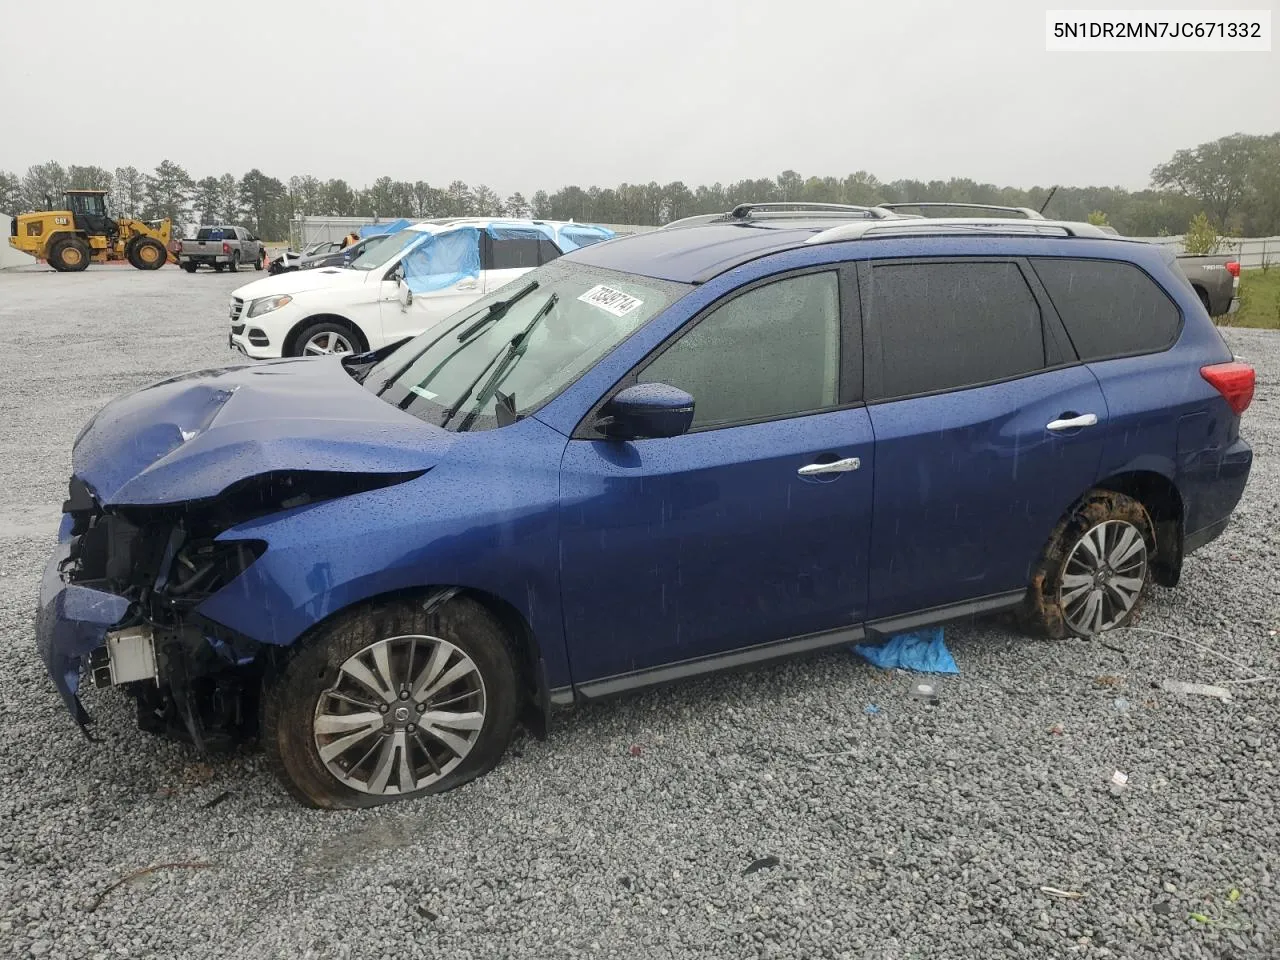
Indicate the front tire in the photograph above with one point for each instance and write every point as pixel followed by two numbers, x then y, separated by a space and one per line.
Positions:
pixel 390 701
pixel 1094 573
pixel 324 338
pixel 145 253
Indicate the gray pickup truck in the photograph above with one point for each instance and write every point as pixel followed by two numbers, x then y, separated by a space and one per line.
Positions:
pixel 1216 281
pixel 223 248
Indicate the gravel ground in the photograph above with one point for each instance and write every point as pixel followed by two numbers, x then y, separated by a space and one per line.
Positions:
pixel 916 831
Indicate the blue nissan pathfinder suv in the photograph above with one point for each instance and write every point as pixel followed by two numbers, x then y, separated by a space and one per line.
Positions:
pixel 714 444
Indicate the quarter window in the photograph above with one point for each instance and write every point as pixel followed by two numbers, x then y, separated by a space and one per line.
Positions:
pixel 772 352
pixel 946 326
pixel 1110 309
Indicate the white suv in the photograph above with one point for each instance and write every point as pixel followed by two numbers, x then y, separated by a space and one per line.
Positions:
pixel 398 287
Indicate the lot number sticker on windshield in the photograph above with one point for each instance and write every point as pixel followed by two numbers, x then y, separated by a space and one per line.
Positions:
pixel 611 300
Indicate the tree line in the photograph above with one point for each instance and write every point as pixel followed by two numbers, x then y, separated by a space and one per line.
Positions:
pixel 1234 181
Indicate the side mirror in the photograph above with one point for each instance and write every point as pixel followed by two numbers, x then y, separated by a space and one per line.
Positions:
pixel 647 410
pixel 405 294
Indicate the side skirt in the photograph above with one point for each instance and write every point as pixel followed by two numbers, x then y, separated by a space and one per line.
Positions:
pixel 781 649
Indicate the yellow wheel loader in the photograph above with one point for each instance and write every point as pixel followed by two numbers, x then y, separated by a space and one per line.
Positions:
pixel 83 233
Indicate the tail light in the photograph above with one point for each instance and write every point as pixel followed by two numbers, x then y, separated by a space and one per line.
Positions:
pixel 226 248
pixel 1235 381
pixel 1233 267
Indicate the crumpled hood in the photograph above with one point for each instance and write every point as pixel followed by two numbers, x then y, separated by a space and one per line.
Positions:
pixel 301 281
pixel 192 436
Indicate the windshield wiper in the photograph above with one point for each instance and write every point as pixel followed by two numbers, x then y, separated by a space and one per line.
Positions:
pixel 496 310
pixel 457 404
pixel 519 344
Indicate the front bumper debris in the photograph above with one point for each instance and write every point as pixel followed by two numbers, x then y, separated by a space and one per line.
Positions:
pixel 71 622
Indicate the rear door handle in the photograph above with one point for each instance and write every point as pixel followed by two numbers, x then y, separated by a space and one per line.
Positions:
pixel 1073 423
pixel 838 466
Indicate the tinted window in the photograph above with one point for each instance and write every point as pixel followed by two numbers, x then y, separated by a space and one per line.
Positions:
pixel 944 326
pixel 510 254
pixel 1109 308
pixel 547 251
pixel 771 352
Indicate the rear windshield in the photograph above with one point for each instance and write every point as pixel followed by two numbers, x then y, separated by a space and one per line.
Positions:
pixel 215 233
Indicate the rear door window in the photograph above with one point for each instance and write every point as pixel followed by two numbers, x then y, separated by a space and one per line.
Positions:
pixel 512 253
pixel 1110 308
pixel 949 325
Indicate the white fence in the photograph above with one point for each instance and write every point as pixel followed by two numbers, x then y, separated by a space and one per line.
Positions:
pixel 1250 251
pixel 305 231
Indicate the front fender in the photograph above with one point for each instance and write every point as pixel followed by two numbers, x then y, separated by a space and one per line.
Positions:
pixel 485 518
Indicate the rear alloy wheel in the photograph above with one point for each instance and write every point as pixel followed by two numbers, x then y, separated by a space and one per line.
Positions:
pixel 392 700
pixel 1103 577
pixel 1095 571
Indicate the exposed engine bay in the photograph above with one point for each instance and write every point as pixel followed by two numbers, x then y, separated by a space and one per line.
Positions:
pixel 192 678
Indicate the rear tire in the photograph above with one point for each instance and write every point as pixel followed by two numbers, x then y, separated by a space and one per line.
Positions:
pixel 146 254
pixel 262 257
pixel 234 265
pixel 190 266
pixel 1101 550
pixel 396 641
pixel 1204 298
pixel 69 255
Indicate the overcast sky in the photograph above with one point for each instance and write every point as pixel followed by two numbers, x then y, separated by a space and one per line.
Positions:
pixel 523 95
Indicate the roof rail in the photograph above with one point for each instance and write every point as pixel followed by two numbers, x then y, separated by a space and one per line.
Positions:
pixel 1025 212
pixel 951 226
pixel 783 209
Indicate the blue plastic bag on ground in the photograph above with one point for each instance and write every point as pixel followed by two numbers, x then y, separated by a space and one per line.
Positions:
pixel 923 651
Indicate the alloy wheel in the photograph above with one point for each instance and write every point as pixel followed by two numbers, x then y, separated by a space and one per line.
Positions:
pixel 1103 577
pixel 402 714
pixel 327 343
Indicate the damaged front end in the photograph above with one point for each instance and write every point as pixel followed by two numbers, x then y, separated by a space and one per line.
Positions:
pixel 119 603
pixel 161 477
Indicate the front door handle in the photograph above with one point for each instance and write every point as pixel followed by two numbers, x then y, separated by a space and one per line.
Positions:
pixel 1073 423
pixel 837 466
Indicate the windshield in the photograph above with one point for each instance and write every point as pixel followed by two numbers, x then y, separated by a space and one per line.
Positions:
pixel 384 248
pixel 483 367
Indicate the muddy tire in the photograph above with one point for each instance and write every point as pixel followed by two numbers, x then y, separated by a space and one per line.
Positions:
pixel 144 253
pixel 1094 573
pixel 318 714
pixel 69 255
